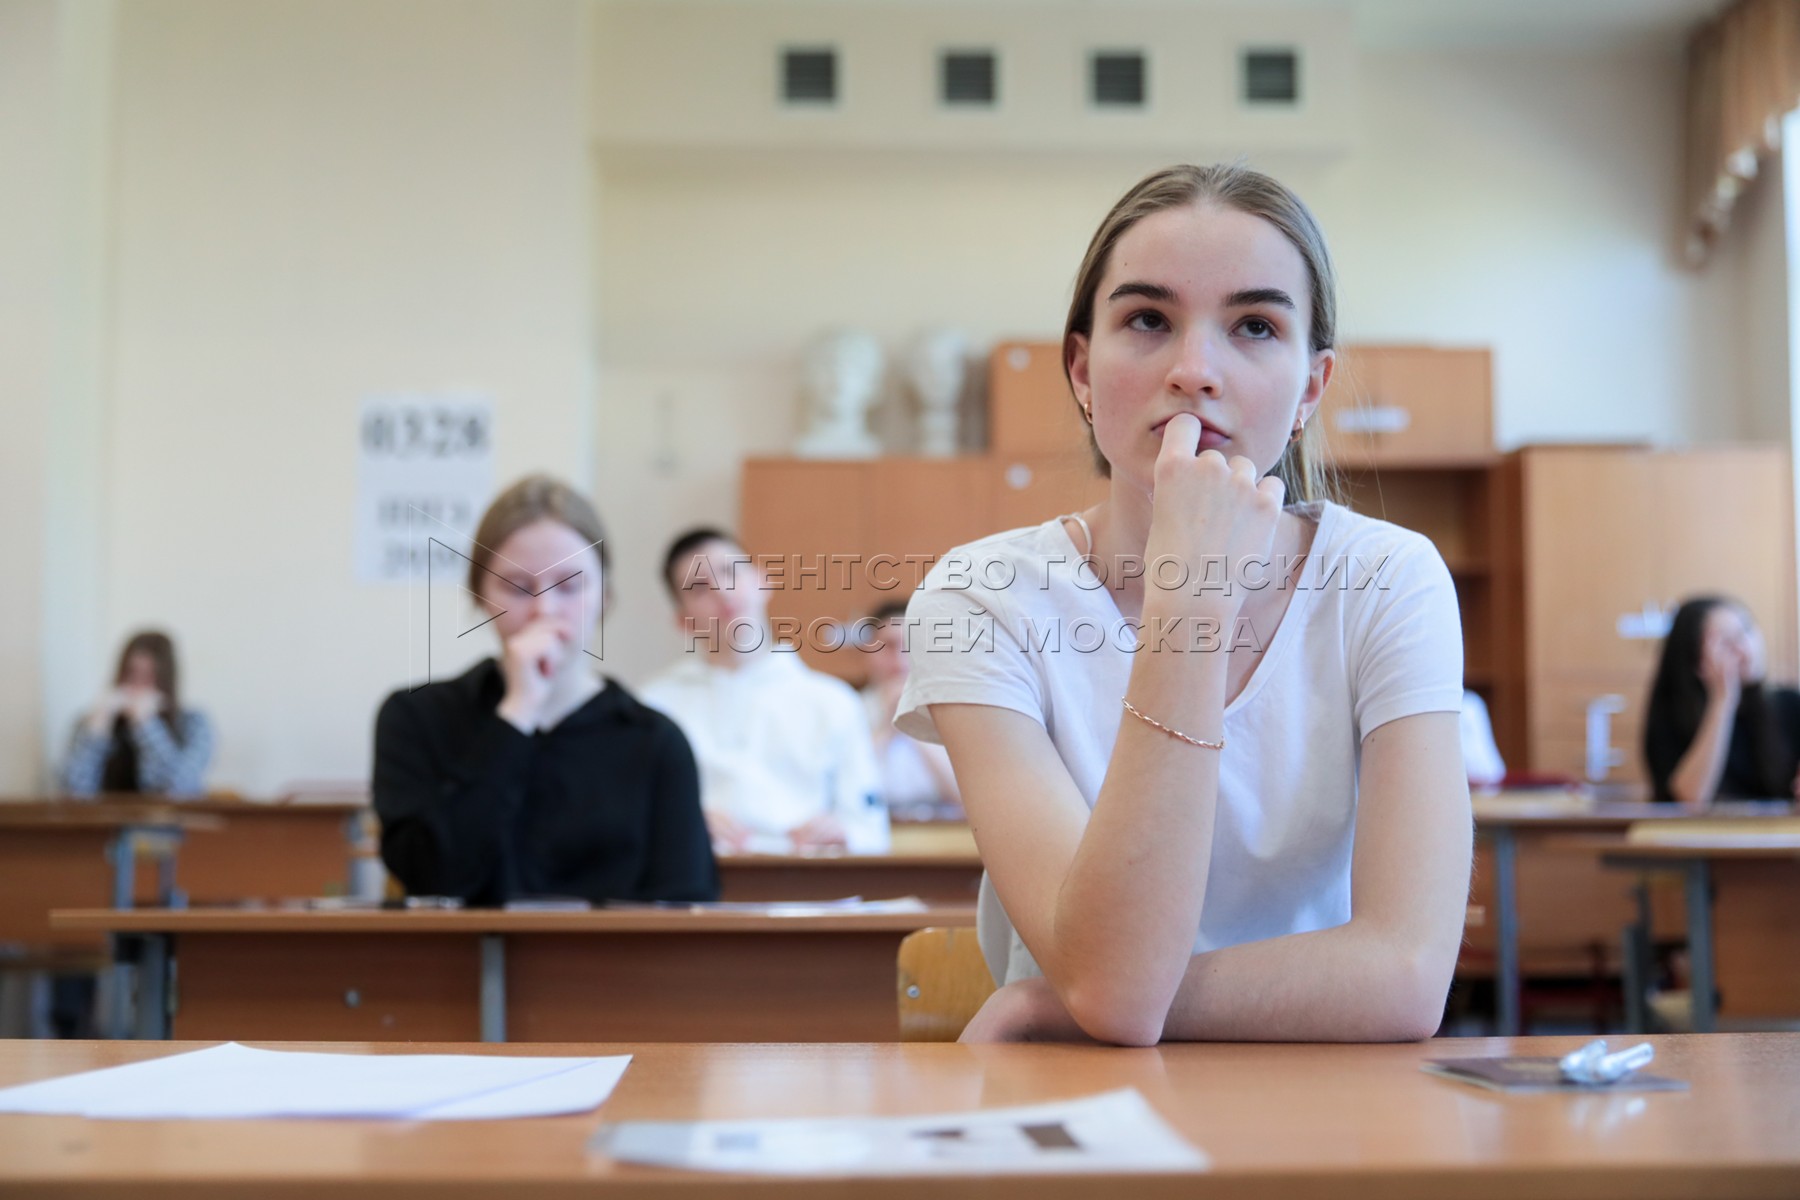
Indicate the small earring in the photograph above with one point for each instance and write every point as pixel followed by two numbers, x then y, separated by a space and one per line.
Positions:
pixel 1299 432
pixel 1087 414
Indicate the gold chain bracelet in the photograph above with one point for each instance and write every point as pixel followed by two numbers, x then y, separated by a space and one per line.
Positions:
pixel 1174 733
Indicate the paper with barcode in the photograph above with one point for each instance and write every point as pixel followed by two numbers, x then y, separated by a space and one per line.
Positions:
pixel 1113 1131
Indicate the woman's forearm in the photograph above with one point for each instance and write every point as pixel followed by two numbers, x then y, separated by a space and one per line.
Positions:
pixel 1131 900
pixel 1696 777
pixel 1350 983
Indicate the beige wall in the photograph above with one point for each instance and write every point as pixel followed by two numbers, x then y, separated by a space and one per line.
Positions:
pixel 28 115
pixel 703 74
pixel 1522 200
pixel 318 199
pixel 55 141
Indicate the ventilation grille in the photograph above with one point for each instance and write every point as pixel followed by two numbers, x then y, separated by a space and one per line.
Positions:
pixel 809 75
pixel 968 78
pixel 1119 78
pixel 1271 77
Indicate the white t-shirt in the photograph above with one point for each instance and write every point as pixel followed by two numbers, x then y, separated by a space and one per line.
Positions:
pixel 906 766
pixel 1371 634
pixel 778 744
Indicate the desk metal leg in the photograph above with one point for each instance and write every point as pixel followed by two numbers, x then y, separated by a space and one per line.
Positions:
pixel 1506 932
pixel 493 987
pixel 121 852
pixel 153 964
pixel 168 892
pixel 1700 944
pixel 1639 961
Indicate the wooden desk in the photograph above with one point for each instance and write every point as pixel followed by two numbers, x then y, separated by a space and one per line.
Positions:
pixel 1295 1122
pixel 1743 919
pixel 1505 824
pixel 66 854
pixel 627 975
pixel 949 878
pixel 269 849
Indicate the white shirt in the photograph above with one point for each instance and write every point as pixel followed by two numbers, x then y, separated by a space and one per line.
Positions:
pixel 1371 634
pixel 778 744
pixel 905 765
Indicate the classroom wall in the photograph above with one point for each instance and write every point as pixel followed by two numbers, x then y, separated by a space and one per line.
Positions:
pixel 315 200
pixel 55 128
pixel 27 336
pixel 1521 199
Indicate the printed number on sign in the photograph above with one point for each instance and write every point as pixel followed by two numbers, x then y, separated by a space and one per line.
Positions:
pixel 415 431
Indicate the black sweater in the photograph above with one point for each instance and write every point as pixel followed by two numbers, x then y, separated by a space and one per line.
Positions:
pixel 1759 764
pixel 605 806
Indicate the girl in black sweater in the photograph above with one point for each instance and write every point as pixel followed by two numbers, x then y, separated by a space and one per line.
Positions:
pixel 530 775
pixel 1715 729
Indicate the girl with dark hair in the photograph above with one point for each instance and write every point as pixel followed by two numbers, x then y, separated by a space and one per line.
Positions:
pixel 138 737
pixel 1715 729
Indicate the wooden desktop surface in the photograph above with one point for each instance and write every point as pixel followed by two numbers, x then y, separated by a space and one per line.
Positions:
pixel 74 816
pixel 659 921
pixel 633 975
pixel 1301 1122
pixel 945 877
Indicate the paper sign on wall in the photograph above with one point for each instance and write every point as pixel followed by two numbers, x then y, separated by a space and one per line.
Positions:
pixel 425 469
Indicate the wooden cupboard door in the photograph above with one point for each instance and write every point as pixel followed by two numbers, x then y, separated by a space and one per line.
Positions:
pixel 1723 521
pixel 922 509
pixel 1589 559
pixel 1414 405
pixel 1030 409
pixel 1029 491
pixel 816 520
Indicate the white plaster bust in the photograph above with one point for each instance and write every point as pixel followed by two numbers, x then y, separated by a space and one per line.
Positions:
pixel 937 360
pixel 842 379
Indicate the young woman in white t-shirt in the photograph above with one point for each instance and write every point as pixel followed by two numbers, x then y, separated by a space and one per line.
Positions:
pixel 1205 812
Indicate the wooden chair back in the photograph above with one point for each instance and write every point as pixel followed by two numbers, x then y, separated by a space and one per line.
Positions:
pixel 943 982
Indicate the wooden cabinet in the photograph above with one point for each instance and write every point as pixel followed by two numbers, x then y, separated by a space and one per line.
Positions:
pixel 849 537
pixel 1031 412
pixel 1029 490
pixel 1459 510
pixel 1409 406
pixel 1607 541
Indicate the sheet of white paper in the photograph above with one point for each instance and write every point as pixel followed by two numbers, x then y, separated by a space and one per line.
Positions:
pixel 1113 1131
pixel 237 1081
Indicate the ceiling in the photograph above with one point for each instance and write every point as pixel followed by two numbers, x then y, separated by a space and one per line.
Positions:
pixel 1575 24
pixel 1584 23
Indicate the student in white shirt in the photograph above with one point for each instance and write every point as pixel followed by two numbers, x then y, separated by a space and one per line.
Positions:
pixel 786 761
pixel 916 777
pixel 1306 881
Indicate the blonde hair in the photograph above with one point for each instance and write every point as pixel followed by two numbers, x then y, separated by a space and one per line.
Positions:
pixel 533 499
pixel 1301 466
